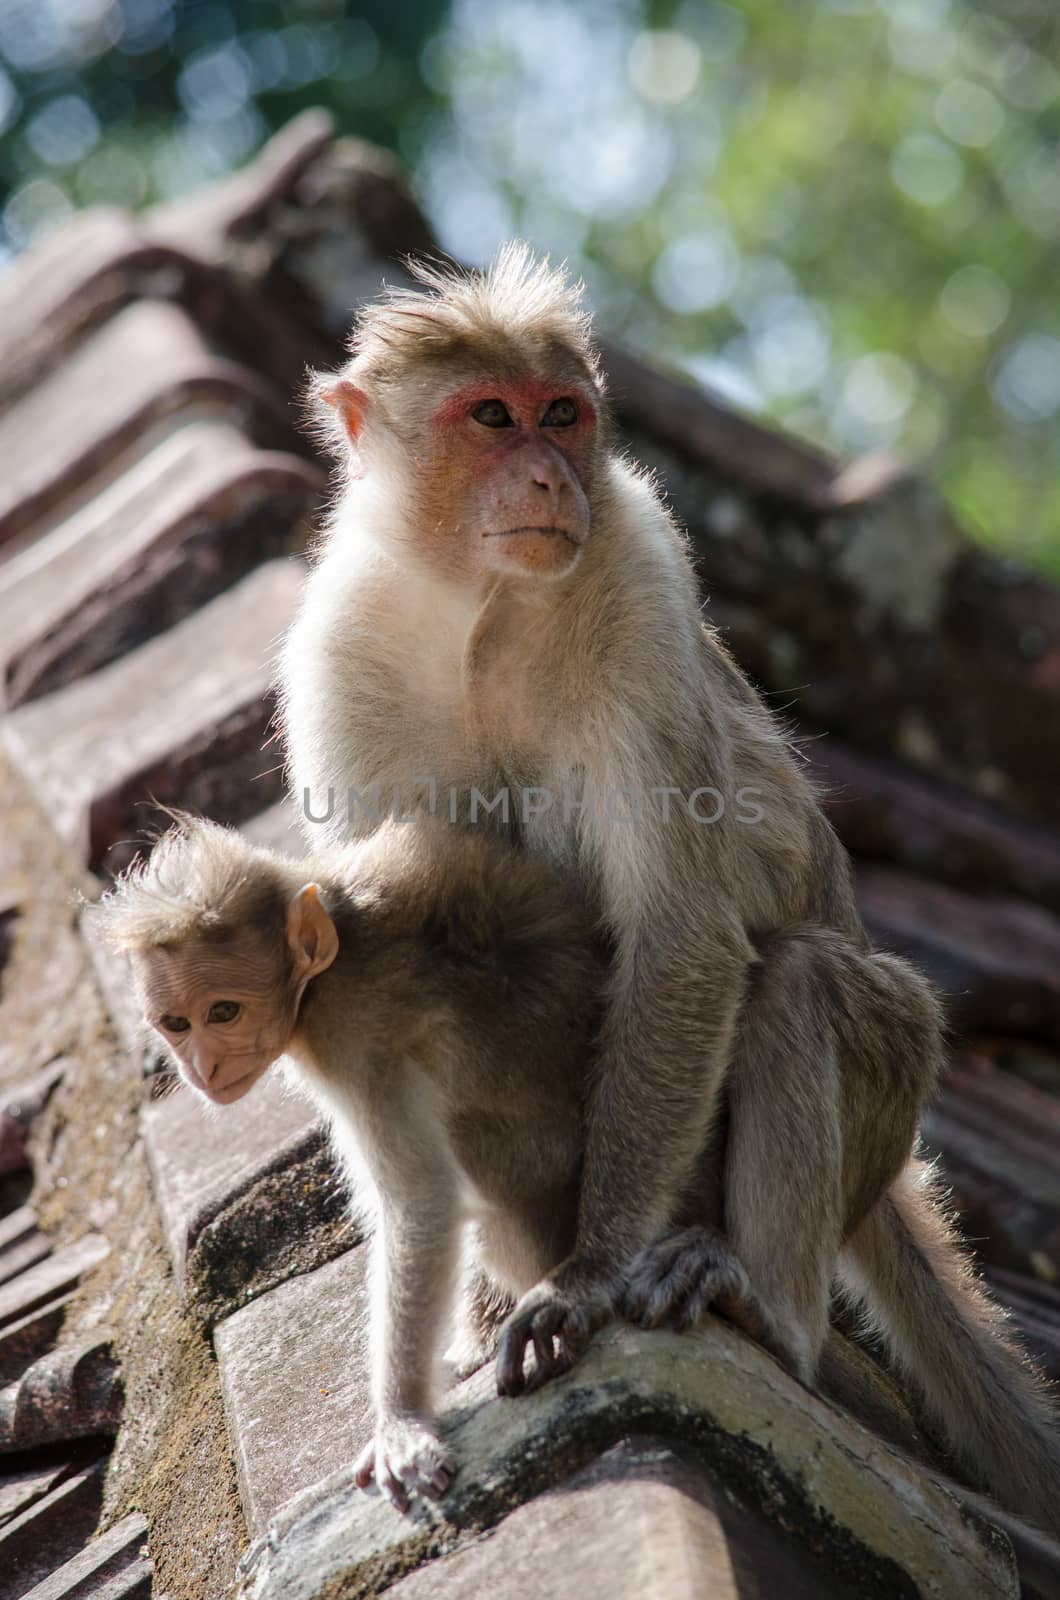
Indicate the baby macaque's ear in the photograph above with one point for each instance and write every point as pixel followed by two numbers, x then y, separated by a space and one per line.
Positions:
pixel 311 934
pixel 347 401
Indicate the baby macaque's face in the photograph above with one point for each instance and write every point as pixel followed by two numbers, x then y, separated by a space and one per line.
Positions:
pixel 225 1012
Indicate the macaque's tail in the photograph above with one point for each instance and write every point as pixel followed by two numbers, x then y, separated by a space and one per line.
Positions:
pixel 992 1408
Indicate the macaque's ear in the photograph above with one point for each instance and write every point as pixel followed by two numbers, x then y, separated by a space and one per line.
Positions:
pixel 348 401
pixel 311 934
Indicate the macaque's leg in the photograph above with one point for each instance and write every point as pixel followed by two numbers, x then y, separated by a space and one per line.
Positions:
pixel 772 1272
pixel 518 1248
pixel 479 1316
pixel 783 1168
pixel 692 1268
pixel 519 1251
pixel 835 1052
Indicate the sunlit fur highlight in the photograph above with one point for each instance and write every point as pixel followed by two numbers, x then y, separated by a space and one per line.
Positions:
pixel 521 311
pixel 518 303
pixel 192 885
pixel 743 1000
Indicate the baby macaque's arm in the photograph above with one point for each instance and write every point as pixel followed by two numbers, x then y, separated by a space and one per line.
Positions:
pixel 414 1265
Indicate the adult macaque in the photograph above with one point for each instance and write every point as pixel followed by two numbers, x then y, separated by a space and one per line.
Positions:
pixel 436 993
pixel 505 610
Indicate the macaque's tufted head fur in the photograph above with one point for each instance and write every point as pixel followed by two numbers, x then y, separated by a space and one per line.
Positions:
pixel 476 407
pixel 519 309
pixel 194 885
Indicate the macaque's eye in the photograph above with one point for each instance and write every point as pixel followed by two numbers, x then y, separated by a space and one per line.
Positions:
pixel 224 1011
pixel 493 414
pixel 560 414
pixel 174 1024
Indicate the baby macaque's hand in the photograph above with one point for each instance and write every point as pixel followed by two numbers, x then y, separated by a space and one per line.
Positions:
pixel 405 1457
pixel 558 1317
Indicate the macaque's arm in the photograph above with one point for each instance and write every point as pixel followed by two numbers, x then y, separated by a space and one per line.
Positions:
pixel 678 983
pixel 414 1251
pixel 664 1052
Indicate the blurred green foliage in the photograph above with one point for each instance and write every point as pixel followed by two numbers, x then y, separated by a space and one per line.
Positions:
pixel 840 213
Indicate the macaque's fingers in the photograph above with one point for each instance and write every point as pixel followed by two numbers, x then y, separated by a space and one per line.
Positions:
pixel 406 1457
pixel 392 1487
pixel 660 1280
pixel 544 1348
pixel 678 1279
pixel 564 1354
pixel 558 1323
pixel 434 1471
pixel 719 1287
pixel 510 1357
pixel 555 1339
pixel 364 1467
pixel 535 1319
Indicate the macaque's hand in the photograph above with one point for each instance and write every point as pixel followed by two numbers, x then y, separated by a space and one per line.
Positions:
pixel 676 1280
pixel 405 1457
pixel 558 1317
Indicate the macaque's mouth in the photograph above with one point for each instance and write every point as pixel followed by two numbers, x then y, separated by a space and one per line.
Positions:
pixel 550 532
pixel 224 1093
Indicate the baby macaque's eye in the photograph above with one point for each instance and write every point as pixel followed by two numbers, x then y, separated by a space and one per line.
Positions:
pixel 174 1024
pixel 493 414
pixel 224 1011
pixel 560 414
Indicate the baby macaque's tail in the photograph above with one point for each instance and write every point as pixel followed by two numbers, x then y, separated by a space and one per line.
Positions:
pixel 994 1411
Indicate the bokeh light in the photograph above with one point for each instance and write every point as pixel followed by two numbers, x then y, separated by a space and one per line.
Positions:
pixel 843 215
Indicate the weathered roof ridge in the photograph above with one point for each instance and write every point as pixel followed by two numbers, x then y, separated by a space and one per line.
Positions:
pixel 204 1267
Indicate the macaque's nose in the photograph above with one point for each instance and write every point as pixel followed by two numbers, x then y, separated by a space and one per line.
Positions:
pixel 550 475
pixel 205 1066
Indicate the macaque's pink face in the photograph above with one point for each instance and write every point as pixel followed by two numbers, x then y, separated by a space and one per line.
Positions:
pixel 510 464
pixel 224 1012
pixel 500 465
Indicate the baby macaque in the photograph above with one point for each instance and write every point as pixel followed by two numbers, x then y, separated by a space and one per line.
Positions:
pixel 436 991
